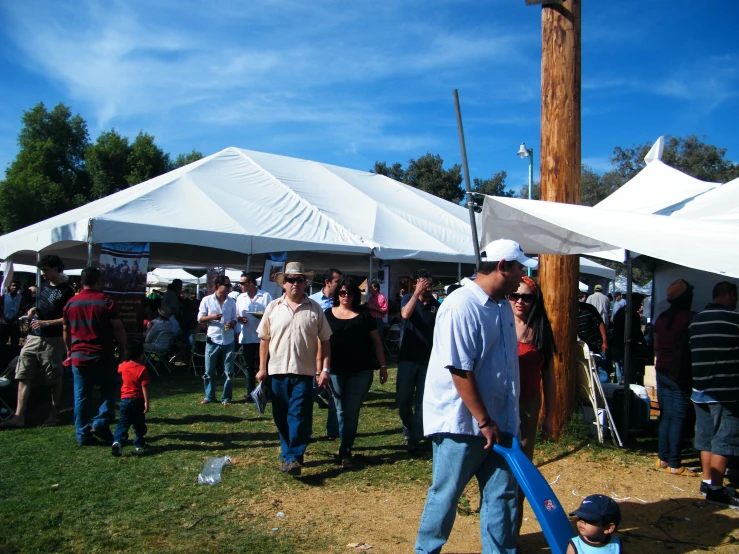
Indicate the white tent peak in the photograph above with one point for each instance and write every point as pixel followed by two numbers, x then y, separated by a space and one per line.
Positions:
pixel 655 153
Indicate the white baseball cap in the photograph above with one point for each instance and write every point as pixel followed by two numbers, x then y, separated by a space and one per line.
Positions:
pixel 508 250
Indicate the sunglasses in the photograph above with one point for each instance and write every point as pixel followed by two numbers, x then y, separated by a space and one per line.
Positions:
pixel 228 285
pixel 293 280
pixel 525 297
pixel 344 293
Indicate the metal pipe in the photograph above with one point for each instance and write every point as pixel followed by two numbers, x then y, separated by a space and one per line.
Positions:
pixel 89 242
pixel 628 354
pixel 470 198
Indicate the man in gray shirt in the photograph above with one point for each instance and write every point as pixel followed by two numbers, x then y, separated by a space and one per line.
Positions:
pixel 601 303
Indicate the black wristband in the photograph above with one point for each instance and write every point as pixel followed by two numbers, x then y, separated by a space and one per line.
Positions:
pixel 488 422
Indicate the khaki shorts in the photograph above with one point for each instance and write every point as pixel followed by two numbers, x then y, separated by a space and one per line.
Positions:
pixel 41 357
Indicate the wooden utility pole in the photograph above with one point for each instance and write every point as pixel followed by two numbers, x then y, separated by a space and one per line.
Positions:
pixel 560 182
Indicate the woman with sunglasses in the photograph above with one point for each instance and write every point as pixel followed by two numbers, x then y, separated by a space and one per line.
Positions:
pixel 535 351
pixel 355 344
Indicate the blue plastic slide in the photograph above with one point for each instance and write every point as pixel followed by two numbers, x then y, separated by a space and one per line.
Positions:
pixel 552 517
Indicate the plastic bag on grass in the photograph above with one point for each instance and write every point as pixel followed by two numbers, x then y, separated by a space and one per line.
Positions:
pixel 211 473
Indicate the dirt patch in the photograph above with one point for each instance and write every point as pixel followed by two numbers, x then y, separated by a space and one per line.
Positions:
pixel 660 511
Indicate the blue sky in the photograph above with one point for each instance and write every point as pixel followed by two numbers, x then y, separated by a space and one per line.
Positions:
pixel 349 83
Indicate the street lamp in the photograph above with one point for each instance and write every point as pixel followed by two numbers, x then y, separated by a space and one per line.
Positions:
pixel 524 152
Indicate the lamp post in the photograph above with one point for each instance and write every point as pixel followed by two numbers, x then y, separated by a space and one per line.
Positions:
pixel 524 152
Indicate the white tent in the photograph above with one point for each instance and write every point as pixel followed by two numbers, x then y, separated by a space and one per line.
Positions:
pixel 163 276
pixel 719 204
pixel 553 228
pixel 238 202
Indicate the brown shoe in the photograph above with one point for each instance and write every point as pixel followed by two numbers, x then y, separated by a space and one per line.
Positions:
pixel 294 468
pixel 346 463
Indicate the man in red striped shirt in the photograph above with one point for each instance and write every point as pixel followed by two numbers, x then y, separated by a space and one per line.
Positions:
pixel 92 326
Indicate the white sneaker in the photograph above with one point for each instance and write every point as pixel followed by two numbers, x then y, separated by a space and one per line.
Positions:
pixel 116 449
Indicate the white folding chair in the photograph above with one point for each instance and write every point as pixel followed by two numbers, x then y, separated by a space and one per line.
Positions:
pixel 6 382
pixel 590 390
pixel 197 352
pixel 392 339
pixel 240 361
pixel 155 352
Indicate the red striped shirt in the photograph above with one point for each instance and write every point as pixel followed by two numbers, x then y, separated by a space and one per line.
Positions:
pixel 87 317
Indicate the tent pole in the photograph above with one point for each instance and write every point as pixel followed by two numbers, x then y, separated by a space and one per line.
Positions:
pixel 38 277
pixel 628 343
pixel 470 198
pixel 459 272
pixel 248 263
pixel 89 242
pixel 369 279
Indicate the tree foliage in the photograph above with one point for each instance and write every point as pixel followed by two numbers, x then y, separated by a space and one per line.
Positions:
pixel 427 173
pixel 494 186
pixel 57 168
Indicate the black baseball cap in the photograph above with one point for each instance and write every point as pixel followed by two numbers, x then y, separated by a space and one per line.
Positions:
pixel 598 507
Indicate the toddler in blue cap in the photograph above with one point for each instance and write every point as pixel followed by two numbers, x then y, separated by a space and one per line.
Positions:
pixel 597 518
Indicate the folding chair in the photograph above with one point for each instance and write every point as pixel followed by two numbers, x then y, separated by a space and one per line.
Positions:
pixel 589 390
pixel 156 351
pixel 6 382
pixel 197 351
pixel 240 361
pixel 392 340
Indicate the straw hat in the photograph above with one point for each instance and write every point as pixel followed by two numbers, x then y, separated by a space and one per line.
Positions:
pixel 293 268
pixel 677 289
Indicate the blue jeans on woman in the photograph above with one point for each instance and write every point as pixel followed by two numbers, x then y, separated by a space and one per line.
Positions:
pixel 216 356
pixel 673 409
pixel 458 458
pixel 292 410
pixel 105 376
pixel 349 392
pixel 409 388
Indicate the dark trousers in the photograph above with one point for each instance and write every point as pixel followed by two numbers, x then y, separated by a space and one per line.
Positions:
pixel 12 331
pixel 132 415
pixel 251 357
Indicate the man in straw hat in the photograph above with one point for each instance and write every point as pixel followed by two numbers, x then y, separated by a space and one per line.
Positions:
pixel 290 332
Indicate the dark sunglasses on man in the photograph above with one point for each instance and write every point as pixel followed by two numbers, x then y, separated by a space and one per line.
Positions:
pixel 293 280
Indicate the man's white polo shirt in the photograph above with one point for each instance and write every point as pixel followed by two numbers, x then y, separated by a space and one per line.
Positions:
pixel 211 305
pixel 472 333
pixel 244 304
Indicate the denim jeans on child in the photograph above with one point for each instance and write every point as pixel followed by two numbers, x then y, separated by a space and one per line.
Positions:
pixel 218 356
pixel 292 410
pixel 457 459
pixel 132 415
pixel 351 390
pixel 104 375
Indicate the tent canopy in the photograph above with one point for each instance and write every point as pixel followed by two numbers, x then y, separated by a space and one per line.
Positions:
pixel 553 228
pixel 239 202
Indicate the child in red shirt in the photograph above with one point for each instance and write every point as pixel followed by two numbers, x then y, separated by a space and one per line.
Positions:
pixel 134 399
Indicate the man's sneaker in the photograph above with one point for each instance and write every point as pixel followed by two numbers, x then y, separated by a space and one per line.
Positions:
pixel 104 434
pixel 141 449
pixel 722 497
pixel 704 487
pixel 294 468
pixel 283 466
pixel 116 449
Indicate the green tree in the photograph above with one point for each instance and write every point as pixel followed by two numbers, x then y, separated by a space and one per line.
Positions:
pixel 107 164
pixel 494 186
pixel 523 192
pixel 184 159
pixel 394 172
pixel 688 154
pixel 146 160
pixel 48 174
pixel 595 187
pixel 427 173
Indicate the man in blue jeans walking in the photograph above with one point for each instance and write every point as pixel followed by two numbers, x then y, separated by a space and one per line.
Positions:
pixel 418 311
pixel 218 310
pixel 290 331
pixel 471 397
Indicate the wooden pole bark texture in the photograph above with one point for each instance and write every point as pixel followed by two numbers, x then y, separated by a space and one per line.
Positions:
pixel 560 182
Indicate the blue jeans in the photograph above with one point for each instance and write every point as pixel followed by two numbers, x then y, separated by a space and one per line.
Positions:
pixel 292 410
pixel 132 415
pixel 105 376
pixel 410 383
pixel 619 370
pixel 457 458
pixel 351 391
pixel 673 410
pixel 217 355
pixel 332 420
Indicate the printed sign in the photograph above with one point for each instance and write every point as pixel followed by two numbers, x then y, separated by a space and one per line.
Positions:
pixel 123 268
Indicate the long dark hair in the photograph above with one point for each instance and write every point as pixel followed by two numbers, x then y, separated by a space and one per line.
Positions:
pixel 352 287
pixel 542 337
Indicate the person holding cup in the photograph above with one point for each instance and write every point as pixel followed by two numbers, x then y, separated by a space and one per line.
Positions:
pixel 218 311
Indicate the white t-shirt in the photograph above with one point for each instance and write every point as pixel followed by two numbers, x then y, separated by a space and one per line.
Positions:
pixel 244 304
pixel 211 305
pixel 472 333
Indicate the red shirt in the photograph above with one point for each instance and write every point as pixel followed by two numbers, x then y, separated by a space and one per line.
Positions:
pixel 88 316
pixel 530 364
pixel 134 376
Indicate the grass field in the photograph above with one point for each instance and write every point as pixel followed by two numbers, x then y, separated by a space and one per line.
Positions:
pixel 58 497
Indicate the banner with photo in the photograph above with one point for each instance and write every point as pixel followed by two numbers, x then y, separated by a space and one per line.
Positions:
pixel 123 267
pixel 271 267
pixel 210 278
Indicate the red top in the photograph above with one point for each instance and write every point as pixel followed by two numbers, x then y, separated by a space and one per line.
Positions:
pixel 87 316
pixel 668 343
pixel 530 365
pixel 134 377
